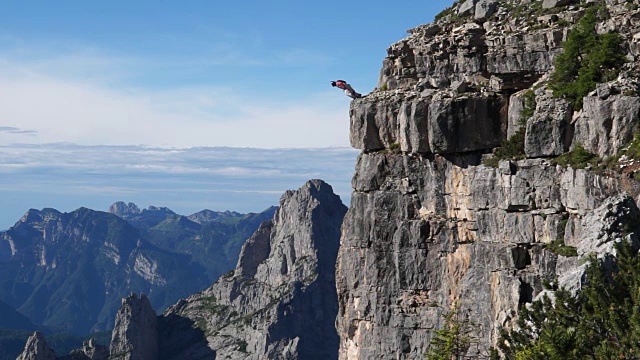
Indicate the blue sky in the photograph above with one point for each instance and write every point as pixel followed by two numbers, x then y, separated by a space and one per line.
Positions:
pixel 169 74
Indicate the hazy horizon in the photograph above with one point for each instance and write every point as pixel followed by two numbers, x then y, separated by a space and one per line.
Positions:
pixel 69 176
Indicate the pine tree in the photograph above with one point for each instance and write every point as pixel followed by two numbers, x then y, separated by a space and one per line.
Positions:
pixel 454 340
pixel 601 322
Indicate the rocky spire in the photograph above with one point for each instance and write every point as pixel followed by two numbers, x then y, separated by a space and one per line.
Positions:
pixel 37 349
pixel 280 302
pixel 135 335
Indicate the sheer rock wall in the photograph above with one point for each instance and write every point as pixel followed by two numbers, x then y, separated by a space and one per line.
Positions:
pixel 429 225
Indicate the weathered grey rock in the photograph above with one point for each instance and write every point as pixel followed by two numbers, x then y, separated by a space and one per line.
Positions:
pixel 459 86
pixel 425 30
pixel 516 106
pixel 135 335
pixel 91 350
pixel 607 125
pixel 617 219
pixel 439 124
pixel 549 4
pixel 255 250
pixel 280 302
pixel 547 130
pixel 436 230
pixel 467 7
pixel 37 349
pixel 432 227
pixel 464 124
pixel 484 9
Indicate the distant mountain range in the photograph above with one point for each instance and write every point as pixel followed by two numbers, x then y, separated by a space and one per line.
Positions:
pixel 69 271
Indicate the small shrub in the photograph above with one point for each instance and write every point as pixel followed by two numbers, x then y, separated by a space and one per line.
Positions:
pixel 632 150
pixel 601 321
pixel 493 162
pixel 242 346
pixel 578 158
pixel 383 87
pixel 558 247
pixel 448 11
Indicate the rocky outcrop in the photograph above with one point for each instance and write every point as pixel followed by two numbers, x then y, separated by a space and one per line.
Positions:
pixel 280 302
pixel 255 250
pixel 122 209
pixel 37 349
pixel 617 219
pixel 430 227
pixel 441 123
pixel 547 132
pixel 135 334
pixel 90 350
pixel 607 122
pixel 549 4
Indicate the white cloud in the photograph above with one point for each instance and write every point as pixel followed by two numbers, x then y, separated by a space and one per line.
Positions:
pixel 80 98
pixel 66 176
pixel 70 112
pixel 15 130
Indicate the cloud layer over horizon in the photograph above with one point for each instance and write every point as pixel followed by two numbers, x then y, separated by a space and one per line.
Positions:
pixel 67 176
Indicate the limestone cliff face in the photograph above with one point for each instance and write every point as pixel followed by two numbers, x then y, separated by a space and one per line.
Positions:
pixel 280 302
pixel 429 226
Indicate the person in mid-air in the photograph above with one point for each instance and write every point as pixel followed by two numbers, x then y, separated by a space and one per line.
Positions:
pixel 347 88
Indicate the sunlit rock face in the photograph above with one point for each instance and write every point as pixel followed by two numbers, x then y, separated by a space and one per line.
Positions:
pixel 429 226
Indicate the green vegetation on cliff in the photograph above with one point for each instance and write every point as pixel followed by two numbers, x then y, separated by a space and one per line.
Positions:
pixel 588 58
pixel 601 322
pixel 513 147
pixel 578 158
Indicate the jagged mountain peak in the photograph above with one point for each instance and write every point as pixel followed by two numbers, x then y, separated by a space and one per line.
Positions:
pixel 121 208
pixel 34 215
pixel 67 258
pixel 135 334
pixel 284 278
pixel 37 349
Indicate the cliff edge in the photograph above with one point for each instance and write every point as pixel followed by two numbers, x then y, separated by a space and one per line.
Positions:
pixel 444 213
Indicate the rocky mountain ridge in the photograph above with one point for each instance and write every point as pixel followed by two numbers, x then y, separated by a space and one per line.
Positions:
pixel 89 260
pixel 279 302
